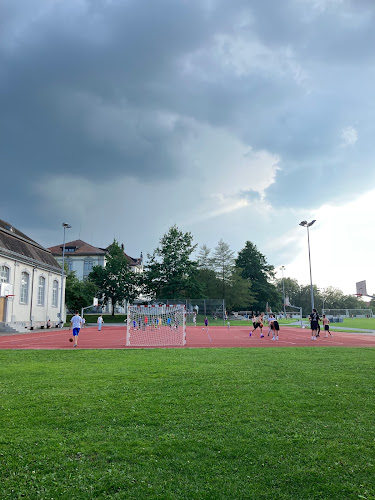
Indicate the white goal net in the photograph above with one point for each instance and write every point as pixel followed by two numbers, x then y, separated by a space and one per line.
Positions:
pixel 156 325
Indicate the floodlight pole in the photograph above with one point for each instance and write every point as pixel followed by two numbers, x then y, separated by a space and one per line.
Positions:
pixel 282 274
pixel 307 225
pixel 65 226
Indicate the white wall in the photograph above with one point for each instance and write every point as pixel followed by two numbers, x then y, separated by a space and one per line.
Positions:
pixel 30 313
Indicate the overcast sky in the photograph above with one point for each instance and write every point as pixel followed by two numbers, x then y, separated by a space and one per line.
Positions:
pixel 234 119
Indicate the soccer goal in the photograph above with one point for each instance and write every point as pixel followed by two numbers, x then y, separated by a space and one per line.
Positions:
pixel 156 325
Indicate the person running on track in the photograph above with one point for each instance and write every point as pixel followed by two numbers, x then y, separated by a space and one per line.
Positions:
pixel 76 323
pixel 205 324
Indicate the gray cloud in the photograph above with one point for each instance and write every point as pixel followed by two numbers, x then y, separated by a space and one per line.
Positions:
pixel 117 92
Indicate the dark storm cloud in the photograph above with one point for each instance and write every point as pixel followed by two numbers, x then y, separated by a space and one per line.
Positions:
pixel 91 89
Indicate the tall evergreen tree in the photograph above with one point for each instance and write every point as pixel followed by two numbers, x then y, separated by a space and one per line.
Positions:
pixel 223 262
pixel 204 258
pixel 261 274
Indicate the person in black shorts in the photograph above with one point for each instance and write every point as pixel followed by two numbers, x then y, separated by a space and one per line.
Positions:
pixel 275 328
pixel 314 323
pixel 258 323
pixel 326 326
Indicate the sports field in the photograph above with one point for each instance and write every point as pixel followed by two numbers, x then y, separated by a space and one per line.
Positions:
pixel 114 337
pixel 188 423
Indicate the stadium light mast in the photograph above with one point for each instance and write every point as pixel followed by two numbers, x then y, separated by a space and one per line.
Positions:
pixel 306 224
pixel 282 274
pixel 65 225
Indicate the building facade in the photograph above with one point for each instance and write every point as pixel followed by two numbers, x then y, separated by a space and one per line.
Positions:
pixel 81 257
pixel 30 281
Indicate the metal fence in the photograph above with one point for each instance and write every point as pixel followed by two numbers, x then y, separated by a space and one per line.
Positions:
pixel 214 308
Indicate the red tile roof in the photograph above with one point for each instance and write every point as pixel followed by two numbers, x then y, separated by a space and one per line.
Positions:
pixel 81 248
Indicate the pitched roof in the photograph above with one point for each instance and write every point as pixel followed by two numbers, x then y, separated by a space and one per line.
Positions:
pixel 81 248
pixel 14 241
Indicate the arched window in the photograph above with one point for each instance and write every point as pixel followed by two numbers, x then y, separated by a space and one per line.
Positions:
pixel 24 290
pixel 41 290
pixel 4 274
pixel 55 293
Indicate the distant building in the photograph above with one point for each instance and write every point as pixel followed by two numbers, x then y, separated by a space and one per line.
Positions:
pixel 30 282
pixel 81 257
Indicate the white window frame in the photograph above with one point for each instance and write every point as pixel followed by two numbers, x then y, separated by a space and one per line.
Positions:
pixel 41 290
pixel 55 293
pixel 3 278
pixel 88 264
pixel 24 290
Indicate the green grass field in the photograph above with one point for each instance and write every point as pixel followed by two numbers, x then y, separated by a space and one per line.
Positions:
pixel 365 323
pixel 188 424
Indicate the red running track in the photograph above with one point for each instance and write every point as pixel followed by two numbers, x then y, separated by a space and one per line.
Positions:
pixel 113 337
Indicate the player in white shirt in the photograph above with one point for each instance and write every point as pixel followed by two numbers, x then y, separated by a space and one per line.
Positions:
pixel 76 323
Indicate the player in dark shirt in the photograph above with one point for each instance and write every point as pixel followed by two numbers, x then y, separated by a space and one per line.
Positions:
pixel 314 323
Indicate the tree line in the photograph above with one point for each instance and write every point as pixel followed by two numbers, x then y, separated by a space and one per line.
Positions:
pixel 245 281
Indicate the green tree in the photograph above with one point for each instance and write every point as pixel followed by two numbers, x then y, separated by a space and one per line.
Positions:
pixel 292 289
pixel 239 293
pixel 204 258
pixel 223 263
pixel 170 272
pixel 256 270
pixel 78 294
pixel 115 282
pixel 211 286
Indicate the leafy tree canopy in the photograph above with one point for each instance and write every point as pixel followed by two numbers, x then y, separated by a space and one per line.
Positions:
pixel 78 294
pixel 115 282
pixel 170 271
pixel 255 269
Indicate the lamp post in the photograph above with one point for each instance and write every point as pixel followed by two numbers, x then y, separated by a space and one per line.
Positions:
pixel 324 299
pixel 306 224
pixel 282 274
pixel 65 226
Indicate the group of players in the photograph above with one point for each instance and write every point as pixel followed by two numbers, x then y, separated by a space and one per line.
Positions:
pixel 273 324
pixel 315 326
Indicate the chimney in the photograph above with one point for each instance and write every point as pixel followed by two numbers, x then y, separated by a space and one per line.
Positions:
pixel 122 247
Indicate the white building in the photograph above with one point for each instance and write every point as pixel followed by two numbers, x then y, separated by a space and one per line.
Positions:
pixel 30 282
pixel 81 257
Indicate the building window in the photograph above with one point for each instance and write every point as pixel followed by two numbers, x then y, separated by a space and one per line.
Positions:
pixel 70 265
pixel 41 290
pixel 4 274
pixel 55 293
pixel 87 265
pixel 24 291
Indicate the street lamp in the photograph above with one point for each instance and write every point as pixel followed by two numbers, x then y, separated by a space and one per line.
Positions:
pixel 65 226
pixel 306 224
pixel 324 299
pixel 282 273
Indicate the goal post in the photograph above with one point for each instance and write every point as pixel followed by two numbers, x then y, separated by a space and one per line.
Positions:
pixel 156 325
